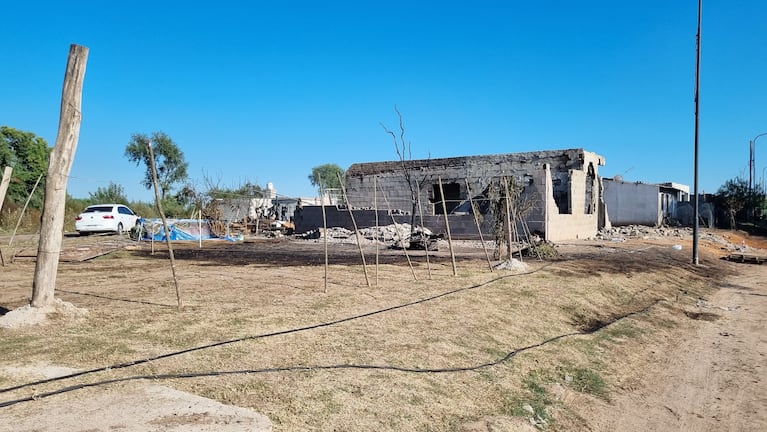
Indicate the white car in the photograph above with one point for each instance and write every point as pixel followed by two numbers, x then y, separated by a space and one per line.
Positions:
pixel 106 218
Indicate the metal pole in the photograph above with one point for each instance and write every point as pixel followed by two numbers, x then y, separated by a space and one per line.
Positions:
pixel 751 165
pixel 697 121
pixel 764 185
pixel 752 162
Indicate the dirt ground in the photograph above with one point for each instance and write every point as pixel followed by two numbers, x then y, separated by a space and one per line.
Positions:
pixel 607 336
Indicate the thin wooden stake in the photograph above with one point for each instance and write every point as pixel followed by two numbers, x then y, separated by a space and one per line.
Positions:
pixel 164 223
pixel 426 247
pixel 399 235
pixel 476 221
pixel 356 231
pixel 24 209
pixel 447 226
pixel 375 209
pixel 324 228
pixel 514 218
pixel 508 218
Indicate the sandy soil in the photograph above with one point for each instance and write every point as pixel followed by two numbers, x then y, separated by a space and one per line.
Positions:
pixel 701 368
pixel 710 378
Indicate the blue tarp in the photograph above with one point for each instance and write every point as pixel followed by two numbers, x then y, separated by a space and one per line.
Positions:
pixel 180 229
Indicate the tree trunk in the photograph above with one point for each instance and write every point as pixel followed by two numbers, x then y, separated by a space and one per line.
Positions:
pixel 59 165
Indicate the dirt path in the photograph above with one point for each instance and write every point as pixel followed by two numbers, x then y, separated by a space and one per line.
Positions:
pixel 714 379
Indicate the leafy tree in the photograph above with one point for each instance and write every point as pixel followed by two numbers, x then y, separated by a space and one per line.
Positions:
pixel 28 155
pixel 735 198
pixel 327 175
pixel 114 193
pixel 168 158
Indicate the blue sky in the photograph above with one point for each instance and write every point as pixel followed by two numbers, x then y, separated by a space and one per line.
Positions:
pixel 263 91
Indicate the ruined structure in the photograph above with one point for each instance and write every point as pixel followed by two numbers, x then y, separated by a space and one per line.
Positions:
pixel 564 186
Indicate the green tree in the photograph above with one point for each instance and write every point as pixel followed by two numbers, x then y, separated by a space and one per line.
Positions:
pixel 28 155
pixel 735 198
pixel 112 194
pixel 326 176
pixel 168 158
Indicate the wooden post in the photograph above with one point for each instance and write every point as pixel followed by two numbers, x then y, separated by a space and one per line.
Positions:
pixel 324 228
pixel 164 223
pixel 396 227
pixel 24 209
pixel 3 190
pixel 4 184
pixel 356 231
pixel 447 226
pixel 199 226
pixel 59 166
pixel 476 221
pixel 375 209
pixel 426 247
pixel 508 217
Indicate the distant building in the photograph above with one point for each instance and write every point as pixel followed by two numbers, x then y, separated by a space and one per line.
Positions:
pixel 637 203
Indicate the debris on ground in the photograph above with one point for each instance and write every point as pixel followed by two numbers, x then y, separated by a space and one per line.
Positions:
pixel 31 316
pixel 512 264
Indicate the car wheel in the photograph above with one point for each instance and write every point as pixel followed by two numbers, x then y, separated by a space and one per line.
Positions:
pixel 120 228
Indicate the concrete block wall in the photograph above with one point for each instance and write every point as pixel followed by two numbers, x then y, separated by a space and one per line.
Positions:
pixel 632 203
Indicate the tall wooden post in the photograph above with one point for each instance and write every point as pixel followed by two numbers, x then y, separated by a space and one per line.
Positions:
pixel 4 184
pixel 158 203
pixel 59 165
pixel 3 190
pixel 447 226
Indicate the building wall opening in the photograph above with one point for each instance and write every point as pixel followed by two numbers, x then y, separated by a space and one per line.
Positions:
pixel 452 197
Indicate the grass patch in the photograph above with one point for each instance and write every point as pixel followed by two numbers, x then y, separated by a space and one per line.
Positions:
pixel 582 380
pixel 534 402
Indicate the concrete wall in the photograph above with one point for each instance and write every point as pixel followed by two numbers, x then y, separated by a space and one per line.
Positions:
pixel 632 203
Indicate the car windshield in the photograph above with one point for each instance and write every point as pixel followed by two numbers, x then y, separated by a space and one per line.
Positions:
pixel 98 209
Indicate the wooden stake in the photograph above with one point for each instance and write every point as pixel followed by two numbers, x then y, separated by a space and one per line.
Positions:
pixel 164 224
pixel 199 226
pixel 399 236
pixel 356 231
pixel 508 217
pixel 324 228
pixel 59 166
pixel 447 226
pixel 420 212
pixel 476 221
pixel 375 208
pixel 3 190
pixel 24 209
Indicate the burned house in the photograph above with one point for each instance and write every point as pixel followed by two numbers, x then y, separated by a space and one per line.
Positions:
pixel 563 186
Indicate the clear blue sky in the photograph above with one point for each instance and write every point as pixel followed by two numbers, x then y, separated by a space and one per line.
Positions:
pixel 263 91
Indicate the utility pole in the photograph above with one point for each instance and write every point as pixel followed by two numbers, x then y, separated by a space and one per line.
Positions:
pixel 695 225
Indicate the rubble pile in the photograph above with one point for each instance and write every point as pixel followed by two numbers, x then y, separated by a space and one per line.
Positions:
pixel 394 236
pixel 622 233
pixel 643 232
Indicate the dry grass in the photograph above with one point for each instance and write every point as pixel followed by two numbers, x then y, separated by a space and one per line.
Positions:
pixel 132 315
